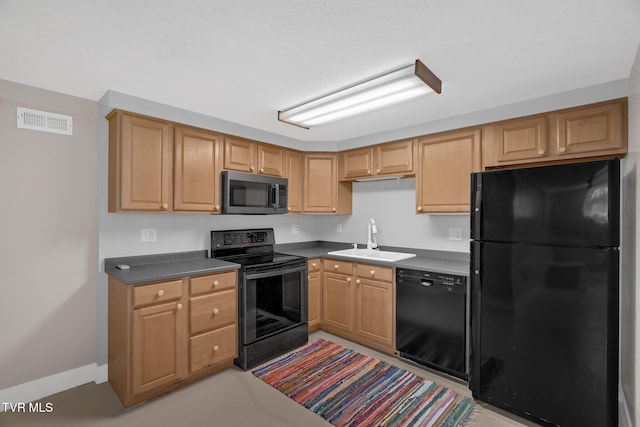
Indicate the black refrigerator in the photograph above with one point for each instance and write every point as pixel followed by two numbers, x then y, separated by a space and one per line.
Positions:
pixel 544 292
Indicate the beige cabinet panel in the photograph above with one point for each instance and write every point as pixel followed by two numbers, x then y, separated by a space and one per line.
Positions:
pixel 196 171
pixel 357 163
pixel 271 160
pixel 591 130
pixel 140 163
pixel 446 163
pixel 294 174
pixel 394 158
pixel 374 302
pixel 338 302
pixel 522 139
pixel 158 356
pixel 322 192
pixel 240 154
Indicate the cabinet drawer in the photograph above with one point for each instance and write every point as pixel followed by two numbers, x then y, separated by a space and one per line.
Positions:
pixel 213 310
pixel 213 347
pixel 158 292
pixel 314 265
pixel 337 266
pixel 214 282
pixel 374 272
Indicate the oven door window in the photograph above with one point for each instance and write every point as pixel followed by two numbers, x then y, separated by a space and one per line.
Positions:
pixel 274 302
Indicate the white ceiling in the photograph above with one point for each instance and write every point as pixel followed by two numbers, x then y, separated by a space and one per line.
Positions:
pixel 244 60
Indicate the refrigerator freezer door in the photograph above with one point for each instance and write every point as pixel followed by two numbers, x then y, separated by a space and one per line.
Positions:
pixel 544 327
pixel 567 205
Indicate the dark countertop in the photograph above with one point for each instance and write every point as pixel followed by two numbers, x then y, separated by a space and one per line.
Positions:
pixel 152 268
pixel 425 259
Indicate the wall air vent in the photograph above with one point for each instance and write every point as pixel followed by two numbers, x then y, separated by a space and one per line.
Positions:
pixel 44 121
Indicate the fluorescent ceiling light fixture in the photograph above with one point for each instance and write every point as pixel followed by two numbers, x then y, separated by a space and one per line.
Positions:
pixel 387 89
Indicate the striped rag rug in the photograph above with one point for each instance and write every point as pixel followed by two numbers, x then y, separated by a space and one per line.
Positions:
pixel 348 388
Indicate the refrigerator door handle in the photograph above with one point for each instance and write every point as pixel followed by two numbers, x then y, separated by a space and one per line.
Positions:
pixel 476 204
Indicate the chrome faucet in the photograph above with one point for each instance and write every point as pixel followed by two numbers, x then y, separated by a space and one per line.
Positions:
pixel 372 230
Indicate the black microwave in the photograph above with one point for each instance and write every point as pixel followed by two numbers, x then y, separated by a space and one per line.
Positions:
pixel 246 193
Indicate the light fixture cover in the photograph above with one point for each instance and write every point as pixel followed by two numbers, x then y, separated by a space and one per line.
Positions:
pixel 388 89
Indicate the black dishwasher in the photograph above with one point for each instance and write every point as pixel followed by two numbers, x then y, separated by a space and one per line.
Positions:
pixel 431 319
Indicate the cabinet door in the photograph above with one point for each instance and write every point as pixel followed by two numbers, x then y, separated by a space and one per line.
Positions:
pixel 270 160
pixel 357 163
pixel 394 158
pixel 315 298
pixel 294 174
pixel 320 183
pixel 594 129
pixel 240 154
pixel 446 163
pixel 374 310
pixel 196 173
pixel 338 302
pixel 144 164
pixel 521 139
pixel 158 346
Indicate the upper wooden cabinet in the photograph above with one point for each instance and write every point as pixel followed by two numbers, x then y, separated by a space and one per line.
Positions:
pixel 294 174
pixel 394 158
pixel 591 130
pixel 446 161
pixel 140 163
pixel 196 171
pixel 596 130
pixel 322 192
pixel 521 139
pixel 254 157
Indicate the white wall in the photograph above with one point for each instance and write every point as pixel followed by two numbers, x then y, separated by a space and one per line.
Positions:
pixel 630 275
pixel 48 235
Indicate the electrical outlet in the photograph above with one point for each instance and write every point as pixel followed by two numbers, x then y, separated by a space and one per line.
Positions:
pixel 295 229
pixel 455 234
pixel 339 228
pixel 148 235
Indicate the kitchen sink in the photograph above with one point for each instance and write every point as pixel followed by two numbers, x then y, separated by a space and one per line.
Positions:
pixel 387 256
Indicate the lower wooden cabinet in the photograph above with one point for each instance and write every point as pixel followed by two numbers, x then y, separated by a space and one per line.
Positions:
pixel 314 310
pixel 165 334
pixel 359 303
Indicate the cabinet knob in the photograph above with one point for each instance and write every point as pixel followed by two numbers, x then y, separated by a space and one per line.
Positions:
pixel 288 208
pixel 348 279
pixel 562 149
pixel 377 170
pixel 216 311
pixel 368 172
pixel 261 170
pixel 164 206
pixel 308 277
pixel 541 152
pixel 419 208
pixel 216 348
pixel 217 207
pixel 334 209
pixel 358 281
pixel 335 266
pixel 372 273
pixel 179 306
pixel 313 264
pixel 215 283
pixel 160 293
pixel 252 168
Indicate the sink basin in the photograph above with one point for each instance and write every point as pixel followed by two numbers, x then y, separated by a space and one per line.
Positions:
pixel 387 256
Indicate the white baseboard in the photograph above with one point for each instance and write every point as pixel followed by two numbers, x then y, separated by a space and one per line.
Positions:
pixel 623 414
pixel 43 387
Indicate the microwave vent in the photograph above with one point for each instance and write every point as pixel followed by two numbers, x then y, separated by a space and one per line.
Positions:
pixel 44 121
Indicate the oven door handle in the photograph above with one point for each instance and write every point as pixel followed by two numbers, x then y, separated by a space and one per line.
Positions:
pixel 275 272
